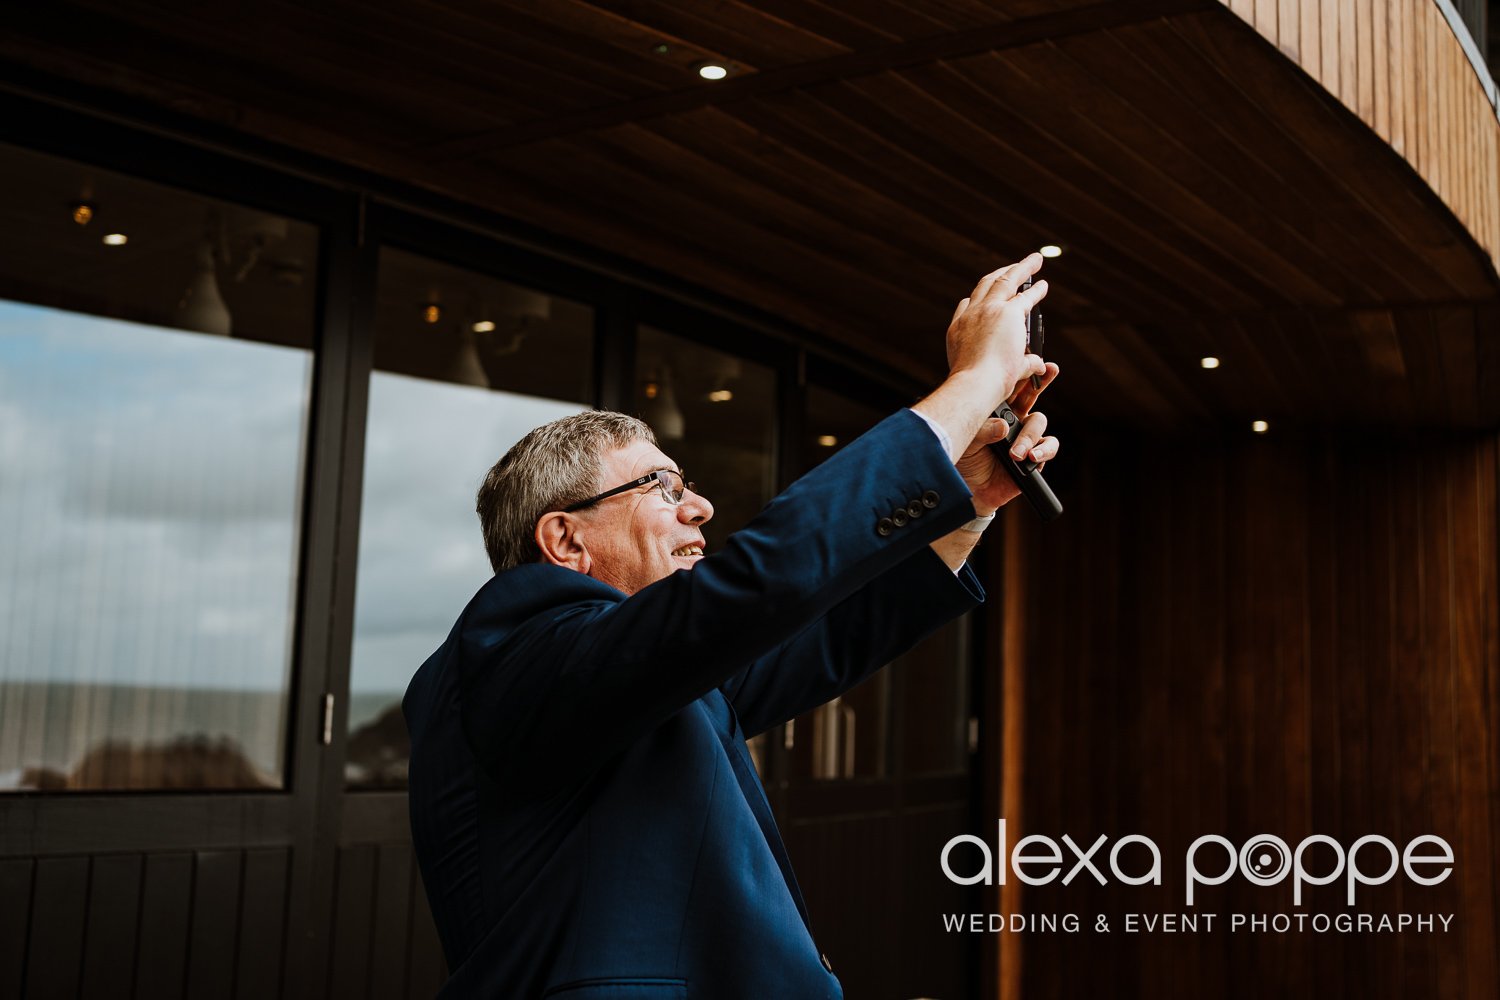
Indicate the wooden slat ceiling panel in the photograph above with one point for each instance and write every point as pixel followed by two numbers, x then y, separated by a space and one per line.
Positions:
pixel 865 162
pixel 1373 191
pixel 1223 164
pixel 1079 220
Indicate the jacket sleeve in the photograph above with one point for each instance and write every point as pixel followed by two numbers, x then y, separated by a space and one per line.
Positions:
pixel 860 635
pixel 549 701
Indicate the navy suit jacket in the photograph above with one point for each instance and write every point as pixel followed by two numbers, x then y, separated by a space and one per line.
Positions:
pixel 585 813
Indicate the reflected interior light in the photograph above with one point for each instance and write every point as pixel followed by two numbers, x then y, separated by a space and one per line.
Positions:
pixel 1209 362
pixel 1260 426
pixel 720 396
pixel 115 239
pixel 483 326
pixel 83 212
pixel 712 71
pixel 652 390
pixel 1051 250
pixel 431 313
pixel 827 440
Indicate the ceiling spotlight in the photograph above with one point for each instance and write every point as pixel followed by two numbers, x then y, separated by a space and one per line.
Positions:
pixel 432 312
pixel 827 440
pixel 712 71
pixel 1260 426
pixel 484 326
pixel 1209 362
pixel 83 212
pixel 720 396
pixel 1051 250
pixel 116 239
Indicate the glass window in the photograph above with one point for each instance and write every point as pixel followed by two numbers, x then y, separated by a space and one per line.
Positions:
pixel 155 371
pixel 465 364
pixel 715 415
pixel 925 690
pixel 849 736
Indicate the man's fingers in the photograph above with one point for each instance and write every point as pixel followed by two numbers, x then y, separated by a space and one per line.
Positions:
pixel 1045 450
pixel 986 282
pixel 1025 397
pixel 1036 292
pixel 1007 279
pixel 1018 273
pixel 962 305
pixel 1032 429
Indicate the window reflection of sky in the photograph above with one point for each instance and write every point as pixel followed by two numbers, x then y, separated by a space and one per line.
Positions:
pixel 149 505
pixel 148 502
pixel 421 553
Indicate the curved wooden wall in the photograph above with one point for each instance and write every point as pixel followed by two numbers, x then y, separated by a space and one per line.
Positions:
pixel 1400 67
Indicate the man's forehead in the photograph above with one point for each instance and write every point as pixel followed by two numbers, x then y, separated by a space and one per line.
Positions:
pixel 638 458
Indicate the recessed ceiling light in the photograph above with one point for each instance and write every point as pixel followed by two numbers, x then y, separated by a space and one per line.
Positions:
pixel 116 239
pixel 712 71
pixel 827 440
pixel 83 212
pixel 483 326
pixel 720 396
pixel 432 312
pixel 1051 250
pixel 1209 362
pixel 1260 426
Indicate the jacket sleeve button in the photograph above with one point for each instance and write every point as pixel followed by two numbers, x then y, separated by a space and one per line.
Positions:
pixel 915 509
pixel 884 527
pixel 930 499
pixel 899 518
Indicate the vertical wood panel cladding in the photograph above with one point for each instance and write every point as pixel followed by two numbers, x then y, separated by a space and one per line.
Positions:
pixel 1262 636
pixel 205 924
pixel 59 906
pixel 113 927
pixel 1399 67
pixel 15 921
pixel 849 897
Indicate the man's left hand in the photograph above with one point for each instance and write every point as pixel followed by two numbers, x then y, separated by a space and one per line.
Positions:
pixel 981 469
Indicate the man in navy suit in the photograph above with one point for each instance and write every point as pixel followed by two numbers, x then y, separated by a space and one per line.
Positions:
pixel 585 813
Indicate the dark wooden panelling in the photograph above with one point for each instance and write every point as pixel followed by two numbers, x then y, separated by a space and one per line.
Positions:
pixel 354 895
pixel 262 920
pixel 392 916
pixel 15 922
pixel 848 907
pixel 216 912
pixel 426 968
pixel 930 961
pixel 109 955
pixel 166 914
pixel 1289 636
pixel 59 904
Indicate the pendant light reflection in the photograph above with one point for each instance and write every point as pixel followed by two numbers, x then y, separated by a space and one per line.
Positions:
pixel 202 306
pixel 660 409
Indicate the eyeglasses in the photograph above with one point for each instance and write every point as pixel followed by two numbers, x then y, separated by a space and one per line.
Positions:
pixel 668 481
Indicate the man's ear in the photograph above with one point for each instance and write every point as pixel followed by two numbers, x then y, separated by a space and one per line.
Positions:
pixel 560 540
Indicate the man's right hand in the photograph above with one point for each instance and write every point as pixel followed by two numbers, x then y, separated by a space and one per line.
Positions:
pixel 986 352
pixel 988 333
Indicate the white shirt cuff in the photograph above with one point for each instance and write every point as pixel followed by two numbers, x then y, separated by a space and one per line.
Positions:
pixel 942 436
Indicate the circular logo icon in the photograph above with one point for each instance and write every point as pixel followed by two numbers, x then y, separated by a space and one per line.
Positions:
pixel 1265 859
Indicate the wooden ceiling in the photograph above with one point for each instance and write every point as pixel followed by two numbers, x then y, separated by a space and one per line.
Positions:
pixel 863 163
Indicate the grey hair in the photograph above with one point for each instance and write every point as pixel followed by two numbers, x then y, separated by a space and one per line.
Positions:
pixel 555 465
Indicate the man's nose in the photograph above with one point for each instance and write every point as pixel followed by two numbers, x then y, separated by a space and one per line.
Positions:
pixel 694 509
